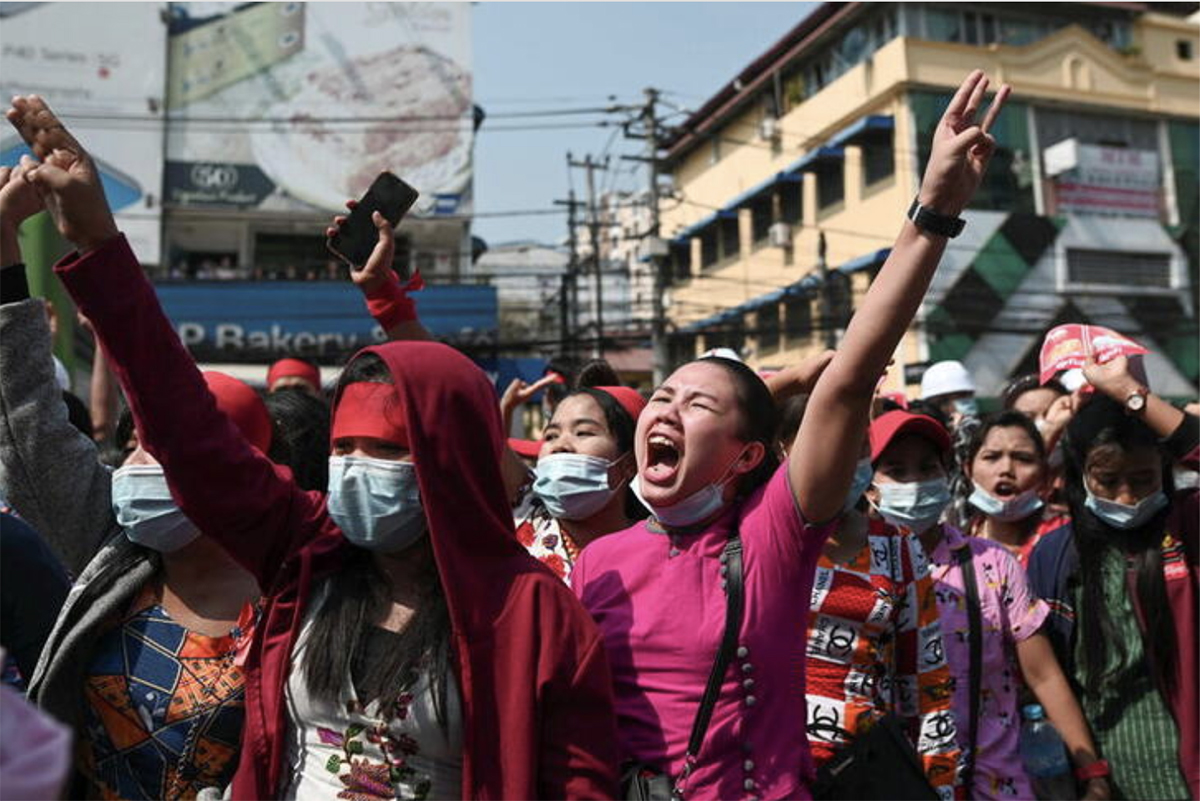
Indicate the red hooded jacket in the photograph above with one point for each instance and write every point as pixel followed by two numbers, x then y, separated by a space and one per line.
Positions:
pixel 536 692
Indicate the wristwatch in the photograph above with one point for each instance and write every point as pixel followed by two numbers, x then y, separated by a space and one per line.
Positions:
pixel 929 220
pixel 1094 770
pixel 1135 401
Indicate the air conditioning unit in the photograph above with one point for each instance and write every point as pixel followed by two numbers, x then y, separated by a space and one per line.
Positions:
pixel 768 129
pixel 780 235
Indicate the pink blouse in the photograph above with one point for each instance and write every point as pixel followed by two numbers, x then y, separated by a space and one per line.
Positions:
pixel 661 609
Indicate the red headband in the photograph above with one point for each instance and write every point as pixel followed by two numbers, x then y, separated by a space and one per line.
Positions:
pixel 370 409
pixel 243 406
pixel 294 367
pixel 629 398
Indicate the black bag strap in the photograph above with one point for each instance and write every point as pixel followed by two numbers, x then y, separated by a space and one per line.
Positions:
pixel 731 572
pixel 975 644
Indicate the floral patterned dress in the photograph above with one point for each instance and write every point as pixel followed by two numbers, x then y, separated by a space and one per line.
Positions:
pixel 541 535
pixel 395 749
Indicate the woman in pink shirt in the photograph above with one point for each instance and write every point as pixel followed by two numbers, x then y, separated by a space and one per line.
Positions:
pixel 707 468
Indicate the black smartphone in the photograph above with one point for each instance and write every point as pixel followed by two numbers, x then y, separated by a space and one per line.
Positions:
pixel 355 240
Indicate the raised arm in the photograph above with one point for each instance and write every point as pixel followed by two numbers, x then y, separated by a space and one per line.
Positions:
pixel 230 490
pixel 387 297
pixel 50 472
pixel 827 446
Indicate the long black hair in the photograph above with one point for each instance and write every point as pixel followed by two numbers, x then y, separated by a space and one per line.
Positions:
pixel 300 435
pixel 1103 423
pixel 759 419
pixel 358 596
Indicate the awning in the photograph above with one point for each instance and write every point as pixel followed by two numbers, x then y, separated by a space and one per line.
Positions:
pixel 695 228
pixel 802 288
pixel 867 126
pixel 865 262
pixel 762 186
pixel 813 158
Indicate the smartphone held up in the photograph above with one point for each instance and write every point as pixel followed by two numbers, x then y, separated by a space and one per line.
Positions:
pixel 356 238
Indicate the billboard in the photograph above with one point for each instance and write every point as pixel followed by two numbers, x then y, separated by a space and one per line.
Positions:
pixel 78 56
pixel 321 320
pixel 298 106
pixel 1093 179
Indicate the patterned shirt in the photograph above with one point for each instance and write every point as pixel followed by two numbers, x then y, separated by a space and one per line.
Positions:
pixel 1011 613
pixel 541 535
pixel 1133 728
pixel 874 646
pixel 164 707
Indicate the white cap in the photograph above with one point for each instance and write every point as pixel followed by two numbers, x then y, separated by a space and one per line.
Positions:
pixel 61 375
pixel 945 378
pixel 721 353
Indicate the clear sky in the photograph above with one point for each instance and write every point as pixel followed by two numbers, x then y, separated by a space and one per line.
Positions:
pixel 558 55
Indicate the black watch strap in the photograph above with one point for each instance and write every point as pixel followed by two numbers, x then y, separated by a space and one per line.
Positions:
pixel 929 220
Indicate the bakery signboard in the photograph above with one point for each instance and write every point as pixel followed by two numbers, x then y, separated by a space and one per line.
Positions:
pixel 298 106
pixel 78 56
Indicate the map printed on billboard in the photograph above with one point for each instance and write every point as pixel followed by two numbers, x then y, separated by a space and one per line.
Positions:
pixel 298 106
pixel 78 56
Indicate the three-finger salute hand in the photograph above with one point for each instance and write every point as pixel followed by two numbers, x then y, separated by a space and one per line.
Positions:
pixel 64 176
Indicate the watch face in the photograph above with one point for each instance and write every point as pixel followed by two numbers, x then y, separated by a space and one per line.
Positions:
pixel 1135 402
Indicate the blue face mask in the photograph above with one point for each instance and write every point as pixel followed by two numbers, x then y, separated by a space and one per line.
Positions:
pixel 916 505
pixel 1123 516
pixel 145 509
pixel 376 502
pixel 573 486
pixel 967 407
pixel 863 474
pixel 1016 508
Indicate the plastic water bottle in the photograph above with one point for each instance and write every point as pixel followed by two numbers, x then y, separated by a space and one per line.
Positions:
pixel 1045 757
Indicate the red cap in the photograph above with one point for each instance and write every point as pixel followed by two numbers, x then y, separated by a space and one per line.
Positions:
pixel 886 427
pixel 529 448
pixel 630 399
pixel 285 368
pixel 242 405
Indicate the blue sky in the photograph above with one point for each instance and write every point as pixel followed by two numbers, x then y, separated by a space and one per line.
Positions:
pixel 540 56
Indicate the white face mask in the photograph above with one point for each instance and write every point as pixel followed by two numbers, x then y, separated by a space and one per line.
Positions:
pixel 574 486
pixel 376 502
pixel 1124 516
pixel 967 407
pixel 695 508
pixel 1016 508
pixel 145 509
pixel 916 505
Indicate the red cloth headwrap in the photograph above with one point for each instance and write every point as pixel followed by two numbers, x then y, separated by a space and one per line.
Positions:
pixel 294 367
pixel 242 405
pixel 370 409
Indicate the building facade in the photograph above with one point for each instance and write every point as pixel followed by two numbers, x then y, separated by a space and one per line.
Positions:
pixel 792 181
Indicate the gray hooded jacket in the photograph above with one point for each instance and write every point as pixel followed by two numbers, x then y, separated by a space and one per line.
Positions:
pixel 52 476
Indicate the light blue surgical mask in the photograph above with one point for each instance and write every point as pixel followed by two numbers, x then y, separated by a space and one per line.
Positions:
pixel 695 508
pixel 1016 508
pixel 967 407
pixel 916 505
pixel 376 502
pixel 1124 516
pixel 863 473
pixel 145 509
pixel 573 486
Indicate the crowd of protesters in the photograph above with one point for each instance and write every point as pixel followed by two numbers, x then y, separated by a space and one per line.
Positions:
pixel 736 586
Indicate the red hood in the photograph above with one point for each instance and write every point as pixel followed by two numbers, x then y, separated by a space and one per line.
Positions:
pixel 454 429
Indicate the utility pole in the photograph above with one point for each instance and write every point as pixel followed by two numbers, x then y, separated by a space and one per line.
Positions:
pixel 594 231
pixel 653 245
pixel 570 300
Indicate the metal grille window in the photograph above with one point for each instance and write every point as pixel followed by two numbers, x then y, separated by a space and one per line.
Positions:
pixel 681 261
pixel 831 185
pixel 709 254
pixel 791 202
pixel 730 238
pixel 760 217
pixel 878 158
pixel 797 314
pixel 1119 269
pixel 768 330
